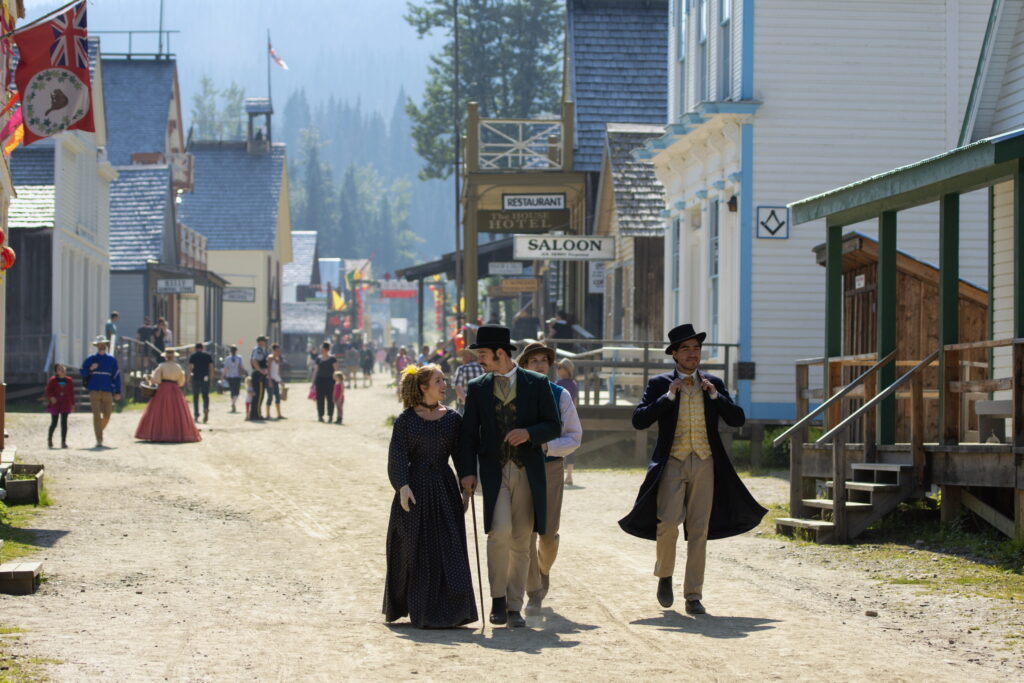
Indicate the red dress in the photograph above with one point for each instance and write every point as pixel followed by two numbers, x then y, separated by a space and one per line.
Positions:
pixel 63 392
pixel 167 418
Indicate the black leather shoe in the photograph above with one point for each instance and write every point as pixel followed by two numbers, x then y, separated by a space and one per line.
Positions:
pixel 665 597
pixel 515 619
pixel 694 607
pixel 499 612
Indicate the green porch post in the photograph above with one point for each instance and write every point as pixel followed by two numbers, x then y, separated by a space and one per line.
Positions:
pixel 949 314
pixel 1018 250
pixel 834 291
pixel 885 311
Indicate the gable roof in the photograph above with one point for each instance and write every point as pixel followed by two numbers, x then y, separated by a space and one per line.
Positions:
pixel 301 270
pixel 32 208
pixel 618 62
pixel 639 195
pixel 33 165
pixel 137 97
pixel 140 203
pixel 235 200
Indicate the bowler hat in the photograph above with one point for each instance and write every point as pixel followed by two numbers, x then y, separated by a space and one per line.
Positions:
pixel 493 337
pixel 677 335
pixel 536 347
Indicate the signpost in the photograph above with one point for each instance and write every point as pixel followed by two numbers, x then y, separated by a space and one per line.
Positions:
pixel 563 248
pixel 183 285
pixel 504 268
pixel 244 295
pixel 522 221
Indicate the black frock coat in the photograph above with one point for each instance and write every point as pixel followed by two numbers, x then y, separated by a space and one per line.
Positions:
pixel 535 411
pixel 733 509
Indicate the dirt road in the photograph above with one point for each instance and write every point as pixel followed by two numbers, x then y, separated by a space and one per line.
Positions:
pixel 259 554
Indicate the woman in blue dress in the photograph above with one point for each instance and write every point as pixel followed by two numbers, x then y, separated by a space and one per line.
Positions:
pixel 428 575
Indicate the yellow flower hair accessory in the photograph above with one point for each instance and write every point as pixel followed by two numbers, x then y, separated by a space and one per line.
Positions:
pixel 410 369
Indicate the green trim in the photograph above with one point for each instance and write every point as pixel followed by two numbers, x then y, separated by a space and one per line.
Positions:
pixel 834 292
pixel 960 170
pixel 1018 251
pixel 990 321
pixel 885 312
pixel 949 287
pixel 970 115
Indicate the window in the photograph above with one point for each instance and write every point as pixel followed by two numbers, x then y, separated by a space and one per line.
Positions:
pixel 713 262
pixel 683 9
pixel 725 50
pixel 702 50
pixel 676 237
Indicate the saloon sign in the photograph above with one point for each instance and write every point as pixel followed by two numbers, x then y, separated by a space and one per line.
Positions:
pixel 563 248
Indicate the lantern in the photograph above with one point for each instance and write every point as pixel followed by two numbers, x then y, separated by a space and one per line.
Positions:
pixel 7 257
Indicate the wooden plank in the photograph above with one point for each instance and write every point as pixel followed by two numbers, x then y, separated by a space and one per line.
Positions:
pixel 970 346
pixel 796 444
pixel 988 513
pixel 839 491
pixel 870 419
pixel 981 386
pixel 1018 395
pixel 978 469
pixel 952 503
pixel 917 428
pixel 950 402
pixel 1018 515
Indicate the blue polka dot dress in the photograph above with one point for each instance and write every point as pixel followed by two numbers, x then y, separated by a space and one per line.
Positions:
pixel 428 574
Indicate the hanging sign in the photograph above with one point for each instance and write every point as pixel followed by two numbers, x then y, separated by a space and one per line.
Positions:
pixel 522 221
pixel 504 268
pixel 182 285
pixel 245 295
pixel 552 201
pixel 595 283
pixel 397 289
pixel 563 248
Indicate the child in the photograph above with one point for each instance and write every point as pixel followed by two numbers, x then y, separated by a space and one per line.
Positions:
pixel 339 394
pixel 60 401
pixel 249 394
pixel 566 370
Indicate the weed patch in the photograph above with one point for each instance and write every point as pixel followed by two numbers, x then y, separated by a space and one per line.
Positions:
pixel 18 541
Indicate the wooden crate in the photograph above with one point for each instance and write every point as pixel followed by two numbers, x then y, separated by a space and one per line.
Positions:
pixel 23 491
pixel 20 578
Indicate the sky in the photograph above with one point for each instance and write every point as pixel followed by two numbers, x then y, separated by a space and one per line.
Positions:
pixel 351 49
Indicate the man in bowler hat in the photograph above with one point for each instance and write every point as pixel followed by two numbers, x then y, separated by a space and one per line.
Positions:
pixel 690 479
pixel 510 414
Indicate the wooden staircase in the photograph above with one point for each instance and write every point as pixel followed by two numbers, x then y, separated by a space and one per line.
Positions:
pixel 875 491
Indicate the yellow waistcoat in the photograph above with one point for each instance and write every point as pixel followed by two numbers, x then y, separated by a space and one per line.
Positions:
pixel 691 429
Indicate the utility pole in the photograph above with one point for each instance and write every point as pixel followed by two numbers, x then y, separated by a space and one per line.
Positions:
pixel 457 138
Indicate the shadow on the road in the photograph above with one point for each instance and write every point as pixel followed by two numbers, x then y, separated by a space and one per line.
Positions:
pixel 43 538
pixel 708 624
pixel 531 641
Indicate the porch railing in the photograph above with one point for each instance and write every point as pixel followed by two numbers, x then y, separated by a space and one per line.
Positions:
pixel 520 145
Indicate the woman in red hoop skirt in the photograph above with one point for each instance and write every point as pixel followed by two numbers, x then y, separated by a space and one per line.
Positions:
pixel 167 418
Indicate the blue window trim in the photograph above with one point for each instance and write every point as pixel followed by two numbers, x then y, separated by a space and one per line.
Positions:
pixel 746 254
pixel 747 68
pixel 766 410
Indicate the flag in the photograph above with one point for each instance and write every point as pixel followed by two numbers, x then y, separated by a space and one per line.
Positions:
pixel 13 133
pixel 337 301
pixel 53 75
pixel 273 55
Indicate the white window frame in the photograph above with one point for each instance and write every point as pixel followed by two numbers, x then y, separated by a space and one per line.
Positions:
pixel 702 49
pixel 714 264
pixel 725 50
pixel 683 8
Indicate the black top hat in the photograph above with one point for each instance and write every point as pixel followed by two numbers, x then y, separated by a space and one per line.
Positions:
pixel 493 337
pixel 677 335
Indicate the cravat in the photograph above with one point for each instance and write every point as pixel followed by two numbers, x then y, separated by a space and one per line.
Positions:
pixel 688 380
pixel 503 387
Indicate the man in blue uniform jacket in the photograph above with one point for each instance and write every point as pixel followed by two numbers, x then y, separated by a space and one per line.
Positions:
pixel 103 380
pixel 690 480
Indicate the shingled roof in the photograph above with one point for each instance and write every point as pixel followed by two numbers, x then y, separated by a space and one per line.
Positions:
pixel 140 201
pixel 639 195
pixel 235 200
pixel 618 61
pixel 32 208
pixel 308 317
pixel 137 96
pixel 301 270
pixel 33 165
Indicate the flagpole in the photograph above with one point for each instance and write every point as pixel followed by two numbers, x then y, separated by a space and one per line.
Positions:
pixel 269 97
pixel 40 19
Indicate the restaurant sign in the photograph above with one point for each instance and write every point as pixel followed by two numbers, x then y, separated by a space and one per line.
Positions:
pixel 552 201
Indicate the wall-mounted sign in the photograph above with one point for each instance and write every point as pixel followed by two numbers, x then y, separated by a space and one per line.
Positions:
pixel 504 268
pixel 514 285
pixel 397 289
pixel 563 248
pixel 553 201
pixel 181 285
pixel 860 281
pixel 773 223
pixel 595 281
pixel 522 221
pixel 244 295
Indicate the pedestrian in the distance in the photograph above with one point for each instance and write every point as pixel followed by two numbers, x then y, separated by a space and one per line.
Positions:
pixel 366 363
pixel 339 395
pixel 60 401
pixel 200 367
pixel 260 371
pixel 166 418
pixel 467 372
pixel 233 371
pixel 352 358
pixel 102 378
pixel 249 394
pixel 567 380
pixel 274 382
pixel 323 382
pixel 111 327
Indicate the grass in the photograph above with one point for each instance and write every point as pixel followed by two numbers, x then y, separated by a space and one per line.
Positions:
pixel 18 541
pixel 15 669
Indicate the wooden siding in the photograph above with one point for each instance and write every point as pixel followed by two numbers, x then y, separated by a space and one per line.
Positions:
pixel 1009 111
pixel 128 297
pixel 1002 279
pixel 649 282
pixel 29 304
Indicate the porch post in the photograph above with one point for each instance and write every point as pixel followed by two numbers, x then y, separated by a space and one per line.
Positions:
pixel 833 313
pixel 469 241
pixel 419 316
pixel 1018 249
pixel 949 315
pixel 885 310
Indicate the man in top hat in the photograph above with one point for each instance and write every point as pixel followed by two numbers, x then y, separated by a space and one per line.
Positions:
pixel 510 413
pixel 690 480
pixel 540 358
pixel 102 378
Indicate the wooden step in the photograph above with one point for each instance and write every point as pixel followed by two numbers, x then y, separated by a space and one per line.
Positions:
pixel 817 529
pixel 828 504
pixel 867 486
pixel 881 466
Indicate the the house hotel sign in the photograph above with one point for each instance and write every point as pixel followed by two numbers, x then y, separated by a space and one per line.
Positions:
pixel 563 248
pixel 522 221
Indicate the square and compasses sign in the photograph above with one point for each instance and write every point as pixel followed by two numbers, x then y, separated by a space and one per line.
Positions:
pixel 773 222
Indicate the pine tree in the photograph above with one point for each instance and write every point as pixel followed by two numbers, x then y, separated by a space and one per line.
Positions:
pixel 205 119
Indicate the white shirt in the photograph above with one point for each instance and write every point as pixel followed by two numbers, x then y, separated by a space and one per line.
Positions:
pixel 572 430
pixel 233 366
pixel 713 394
pixel 511 374
pixel 275 368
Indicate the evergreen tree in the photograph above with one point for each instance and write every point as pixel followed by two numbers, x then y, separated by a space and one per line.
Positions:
pixel 317 185
pixel 205 120
pixel 509 55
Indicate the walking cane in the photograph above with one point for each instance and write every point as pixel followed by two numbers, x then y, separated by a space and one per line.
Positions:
pixel 479 575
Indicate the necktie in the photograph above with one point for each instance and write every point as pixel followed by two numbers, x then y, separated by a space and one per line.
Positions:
pixel 503 387
pixel 688 380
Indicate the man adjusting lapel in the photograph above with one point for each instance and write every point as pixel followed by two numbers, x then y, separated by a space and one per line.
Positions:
pixel 690 479
pixel 510 414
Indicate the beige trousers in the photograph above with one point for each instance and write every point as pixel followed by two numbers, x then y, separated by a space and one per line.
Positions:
pixel 508 543
pixel 544 547
pixel 685 493
pixel 102 404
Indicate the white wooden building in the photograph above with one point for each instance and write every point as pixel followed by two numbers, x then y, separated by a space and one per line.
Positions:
pixel 770 102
